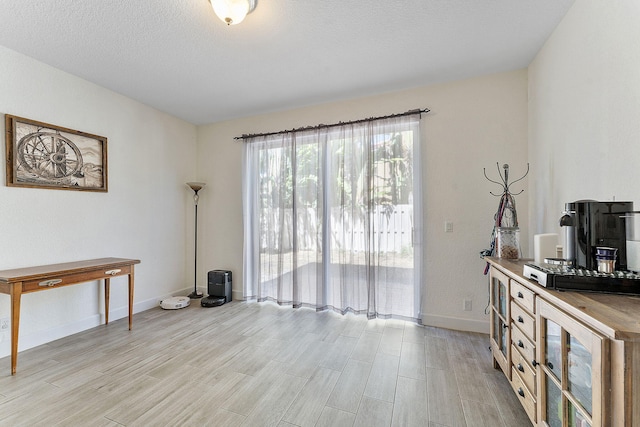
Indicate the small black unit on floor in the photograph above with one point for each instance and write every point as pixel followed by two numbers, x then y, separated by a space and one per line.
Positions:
pixel 218 288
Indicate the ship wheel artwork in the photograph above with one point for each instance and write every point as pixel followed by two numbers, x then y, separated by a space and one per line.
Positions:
pixel 49 155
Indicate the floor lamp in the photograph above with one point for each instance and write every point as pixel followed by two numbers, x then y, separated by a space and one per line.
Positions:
pixel 195 186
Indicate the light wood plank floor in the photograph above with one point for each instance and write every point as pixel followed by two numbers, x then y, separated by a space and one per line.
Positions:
pixel 256 364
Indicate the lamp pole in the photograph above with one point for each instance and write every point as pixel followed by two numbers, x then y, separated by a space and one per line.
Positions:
pixel 195 186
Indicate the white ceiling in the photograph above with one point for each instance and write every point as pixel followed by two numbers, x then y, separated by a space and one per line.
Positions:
pixel 178 57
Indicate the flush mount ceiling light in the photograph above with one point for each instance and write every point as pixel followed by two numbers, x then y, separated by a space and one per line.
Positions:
pixel 233 11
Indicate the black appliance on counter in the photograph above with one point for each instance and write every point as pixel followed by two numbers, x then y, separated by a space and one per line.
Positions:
pixel 589 224
pixel 564 278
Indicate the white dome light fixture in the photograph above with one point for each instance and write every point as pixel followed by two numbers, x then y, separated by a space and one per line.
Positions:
pixel 233 11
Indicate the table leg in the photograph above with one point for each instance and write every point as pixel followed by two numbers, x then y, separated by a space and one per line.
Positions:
pixel 16 293
pixel 107 289
pixel 131 298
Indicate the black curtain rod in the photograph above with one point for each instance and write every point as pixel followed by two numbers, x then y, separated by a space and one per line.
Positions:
pixel 323 126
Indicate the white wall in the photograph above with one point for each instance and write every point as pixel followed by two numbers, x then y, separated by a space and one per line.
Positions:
pixel 583 130
pixel 584 111
pixel 146 214
pixel 473 124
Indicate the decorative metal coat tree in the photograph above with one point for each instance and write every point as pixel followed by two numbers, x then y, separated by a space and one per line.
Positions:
pixel 195 186
pixel 506 215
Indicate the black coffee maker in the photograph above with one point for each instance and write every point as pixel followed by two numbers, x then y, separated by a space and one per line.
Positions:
pixel 589 224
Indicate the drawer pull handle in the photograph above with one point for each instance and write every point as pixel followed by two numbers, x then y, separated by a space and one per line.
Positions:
pixel 520 319
pixel 520 295
pixel 113 272
pixel 50 283
pixel 534 362
pixel 520 344
pixel 521 392
pixel 520 367
pixel 505 326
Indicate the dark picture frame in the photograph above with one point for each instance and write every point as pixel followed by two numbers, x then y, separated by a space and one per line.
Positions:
pixel 42 155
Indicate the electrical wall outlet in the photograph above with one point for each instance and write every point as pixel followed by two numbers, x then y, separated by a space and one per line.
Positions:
pixel 448 227
pixel 4 324
pixel 466 305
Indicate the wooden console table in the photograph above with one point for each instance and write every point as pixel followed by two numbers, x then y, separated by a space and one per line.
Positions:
pixel 33 279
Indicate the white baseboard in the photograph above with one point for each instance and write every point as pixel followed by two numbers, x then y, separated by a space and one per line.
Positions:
pixel 456 323
pixel 42 337
pixel 45 336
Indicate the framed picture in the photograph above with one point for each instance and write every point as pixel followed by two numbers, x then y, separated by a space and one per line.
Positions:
pixel 41 155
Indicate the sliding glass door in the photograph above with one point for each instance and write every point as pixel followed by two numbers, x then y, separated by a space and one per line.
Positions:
pixel 332 218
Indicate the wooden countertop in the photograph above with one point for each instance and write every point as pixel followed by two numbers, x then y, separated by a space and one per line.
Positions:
pixel 31 273
pixel 616 316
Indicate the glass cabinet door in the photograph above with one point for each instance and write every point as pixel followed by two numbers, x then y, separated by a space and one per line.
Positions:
pixel 500 337
pixel 553 411
pixel 579 373
pixel 571 359
pixel 553 349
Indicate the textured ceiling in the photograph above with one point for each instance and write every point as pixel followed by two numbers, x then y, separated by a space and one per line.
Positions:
pixel 178 57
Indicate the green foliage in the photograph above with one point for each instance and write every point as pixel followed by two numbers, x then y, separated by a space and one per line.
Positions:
pixel 373 173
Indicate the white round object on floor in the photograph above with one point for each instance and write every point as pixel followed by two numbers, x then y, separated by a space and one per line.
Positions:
pixel 175 303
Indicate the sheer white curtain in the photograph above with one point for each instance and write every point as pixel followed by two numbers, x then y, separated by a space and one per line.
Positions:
pixel 332 218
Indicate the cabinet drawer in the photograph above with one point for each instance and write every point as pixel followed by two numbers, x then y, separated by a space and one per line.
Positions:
pixel 522 343
pixel 527 400
pixel 525 370
pixel 524 296
pixel 525 322
pixel 72 279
